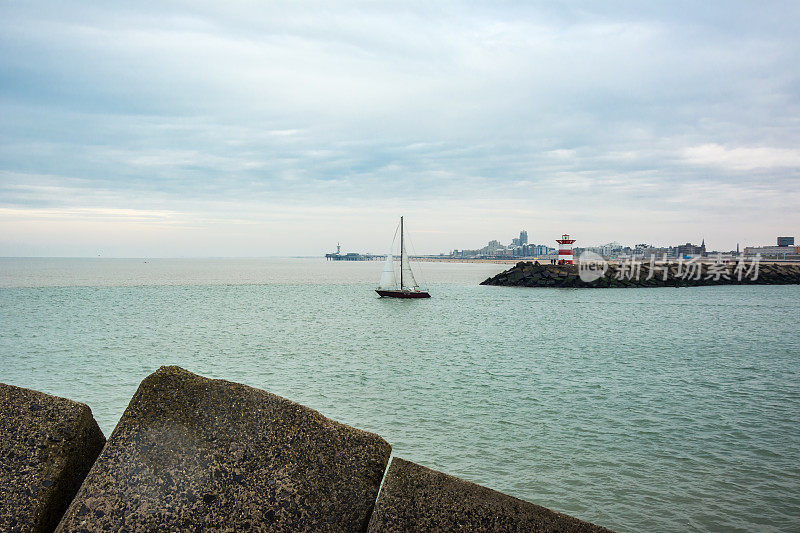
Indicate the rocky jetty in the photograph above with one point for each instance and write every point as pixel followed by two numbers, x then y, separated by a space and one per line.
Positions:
pixel 622 275
pixel 47 445
pixel 198 454
pixel 416 498
pixel 192 454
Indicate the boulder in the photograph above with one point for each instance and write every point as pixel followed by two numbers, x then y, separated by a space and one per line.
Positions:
pixel 192 453
pixel 47 445
pixel 416 498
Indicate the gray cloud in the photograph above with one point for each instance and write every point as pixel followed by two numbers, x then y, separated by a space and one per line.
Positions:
pixel 618 121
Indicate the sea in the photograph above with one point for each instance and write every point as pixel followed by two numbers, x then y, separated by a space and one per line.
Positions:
pixel 658 409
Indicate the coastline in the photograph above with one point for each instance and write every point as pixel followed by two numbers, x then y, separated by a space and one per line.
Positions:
pixel 460 260
pixel 514 261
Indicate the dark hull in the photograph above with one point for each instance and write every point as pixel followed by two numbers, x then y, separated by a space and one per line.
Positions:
pixel 403 294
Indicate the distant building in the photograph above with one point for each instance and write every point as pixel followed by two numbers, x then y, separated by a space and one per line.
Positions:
pixel 784 250
pixel 609 251
pixel 690 249
pixel 519 247
pixel 493 246
pixel 643 251
pixel 532 250
pixel 774 252
pixel 646 251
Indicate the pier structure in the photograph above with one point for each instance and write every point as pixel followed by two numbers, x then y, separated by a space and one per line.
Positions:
pixel 352 256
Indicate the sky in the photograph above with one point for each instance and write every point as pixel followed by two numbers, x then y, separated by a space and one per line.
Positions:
pixel 158 129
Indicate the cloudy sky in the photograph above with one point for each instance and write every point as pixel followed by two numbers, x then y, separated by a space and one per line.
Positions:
pixel 271 128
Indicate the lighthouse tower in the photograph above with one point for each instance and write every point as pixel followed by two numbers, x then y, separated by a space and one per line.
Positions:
pixel 565 249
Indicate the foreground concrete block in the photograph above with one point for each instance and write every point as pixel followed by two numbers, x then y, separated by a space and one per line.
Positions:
pixel 47 445
pixel 415 498
pixel 192 453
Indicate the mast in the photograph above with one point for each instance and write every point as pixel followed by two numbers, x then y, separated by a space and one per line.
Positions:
pixel 402 249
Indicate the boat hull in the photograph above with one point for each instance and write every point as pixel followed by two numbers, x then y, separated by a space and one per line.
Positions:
pixel 403 294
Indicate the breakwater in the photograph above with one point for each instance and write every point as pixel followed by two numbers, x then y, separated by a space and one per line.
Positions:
pixel 623 275
pixel 192 453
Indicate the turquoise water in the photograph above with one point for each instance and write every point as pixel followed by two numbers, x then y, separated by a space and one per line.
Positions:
pixel 638 409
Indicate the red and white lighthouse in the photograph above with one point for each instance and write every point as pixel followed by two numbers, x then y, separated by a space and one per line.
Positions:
pixel 565 249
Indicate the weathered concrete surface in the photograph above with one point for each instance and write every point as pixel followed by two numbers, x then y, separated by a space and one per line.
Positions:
pixel 191 453
pixel 415 498
pixel 47 445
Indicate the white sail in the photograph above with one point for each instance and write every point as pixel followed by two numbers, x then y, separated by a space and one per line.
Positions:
pixel 408 276
pixel 388 278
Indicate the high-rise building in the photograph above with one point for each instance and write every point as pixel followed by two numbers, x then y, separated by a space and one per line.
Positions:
pixel 690 249
pixel 785 241
pixel 523 238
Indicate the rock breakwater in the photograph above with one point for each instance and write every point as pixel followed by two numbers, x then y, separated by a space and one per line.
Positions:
pixel 198 454
pixel 192 453
pixel 47 445
pixel 624 275
pixel 416 498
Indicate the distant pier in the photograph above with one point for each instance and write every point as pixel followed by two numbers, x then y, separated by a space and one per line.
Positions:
pixel 353 257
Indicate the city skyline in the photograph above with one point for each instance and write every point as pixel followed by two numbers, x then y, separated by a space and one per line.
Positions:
pixel 538 245
pixel 246 130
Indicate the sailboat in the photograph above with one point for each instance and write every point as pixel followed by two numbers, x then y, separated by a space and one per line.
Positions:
pixel 408 287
